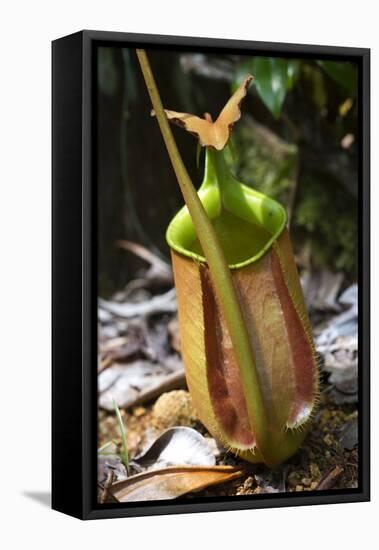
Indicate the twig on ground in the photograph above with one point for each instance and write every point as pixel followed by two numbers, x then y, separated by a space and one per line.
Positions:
pixel 329 479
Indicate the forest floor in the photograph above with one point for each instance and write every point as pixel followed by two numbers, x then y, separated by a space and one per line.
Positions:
pixel 140 369
pixel 328 457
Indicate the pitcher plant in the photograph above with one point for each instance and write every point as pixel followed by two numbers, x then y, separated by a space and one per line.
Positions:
pixel 246 341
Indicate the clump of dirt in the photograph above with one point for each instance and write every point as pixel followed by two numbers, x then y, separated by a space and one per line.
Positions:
pixel 139 429
pixel 174 408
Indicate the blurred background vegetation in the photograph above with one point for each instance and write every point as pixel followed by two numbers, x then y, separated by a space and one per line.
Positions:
pixel 296 142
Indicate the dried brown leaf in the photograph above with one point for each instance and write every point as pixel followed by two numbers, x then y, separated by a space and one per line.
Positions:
pixel 172 482
pixel 213 134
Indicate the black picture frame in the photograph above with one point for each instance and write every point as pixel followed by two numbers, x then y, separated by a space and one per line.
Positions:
pixel 74 332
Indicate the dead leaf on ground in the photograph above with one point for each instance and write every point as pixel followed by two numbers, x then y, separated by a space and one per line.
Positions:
pixel 162 303
pixel 144 339
pixel 178 445
pixel 337 341
pixel 172 482
pixel 110 461
pixel 137 382
pixel 120 349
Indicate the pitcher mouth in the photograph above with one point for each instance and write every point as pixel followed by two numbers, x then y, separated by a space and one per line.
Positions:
pixel 222 195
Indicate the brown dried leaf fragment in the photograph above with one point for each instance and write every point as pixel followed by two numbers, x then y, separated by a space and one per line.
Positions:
pixel 172 482
pixel 213 134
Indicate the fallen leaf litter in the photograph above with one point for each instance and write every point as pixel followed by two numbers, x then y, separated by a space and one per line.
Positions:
pixel 328 458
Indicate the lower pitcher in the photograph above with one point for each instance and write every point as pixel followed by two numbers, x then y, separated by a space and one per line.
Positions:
pixel 252 230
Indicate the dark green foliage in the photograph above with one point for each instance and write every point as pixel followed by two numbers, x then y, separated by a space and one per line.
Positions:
pixel 264 161
pixel 327 220
pixel 273 78
pixel 298 157
pixel 296 142
pixel 324 217
pixel 345 74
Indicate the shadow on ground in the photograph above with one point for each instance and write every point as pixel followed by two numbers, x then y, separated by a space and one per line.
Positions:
pixel 42 497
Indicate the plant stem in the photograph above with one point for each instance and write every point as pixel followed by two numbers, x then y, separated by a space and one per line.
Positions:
pixel 125 451
pixel 220 274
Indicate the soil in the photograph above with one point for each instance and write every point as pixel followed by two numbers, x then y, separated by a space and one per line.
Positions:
pixel 328 457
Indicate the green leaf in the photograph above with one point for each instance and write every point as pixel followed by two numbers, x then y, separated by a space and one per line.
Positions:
pixel 273 77
pixel 272 81
pixel 342 72
pixel 293 71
